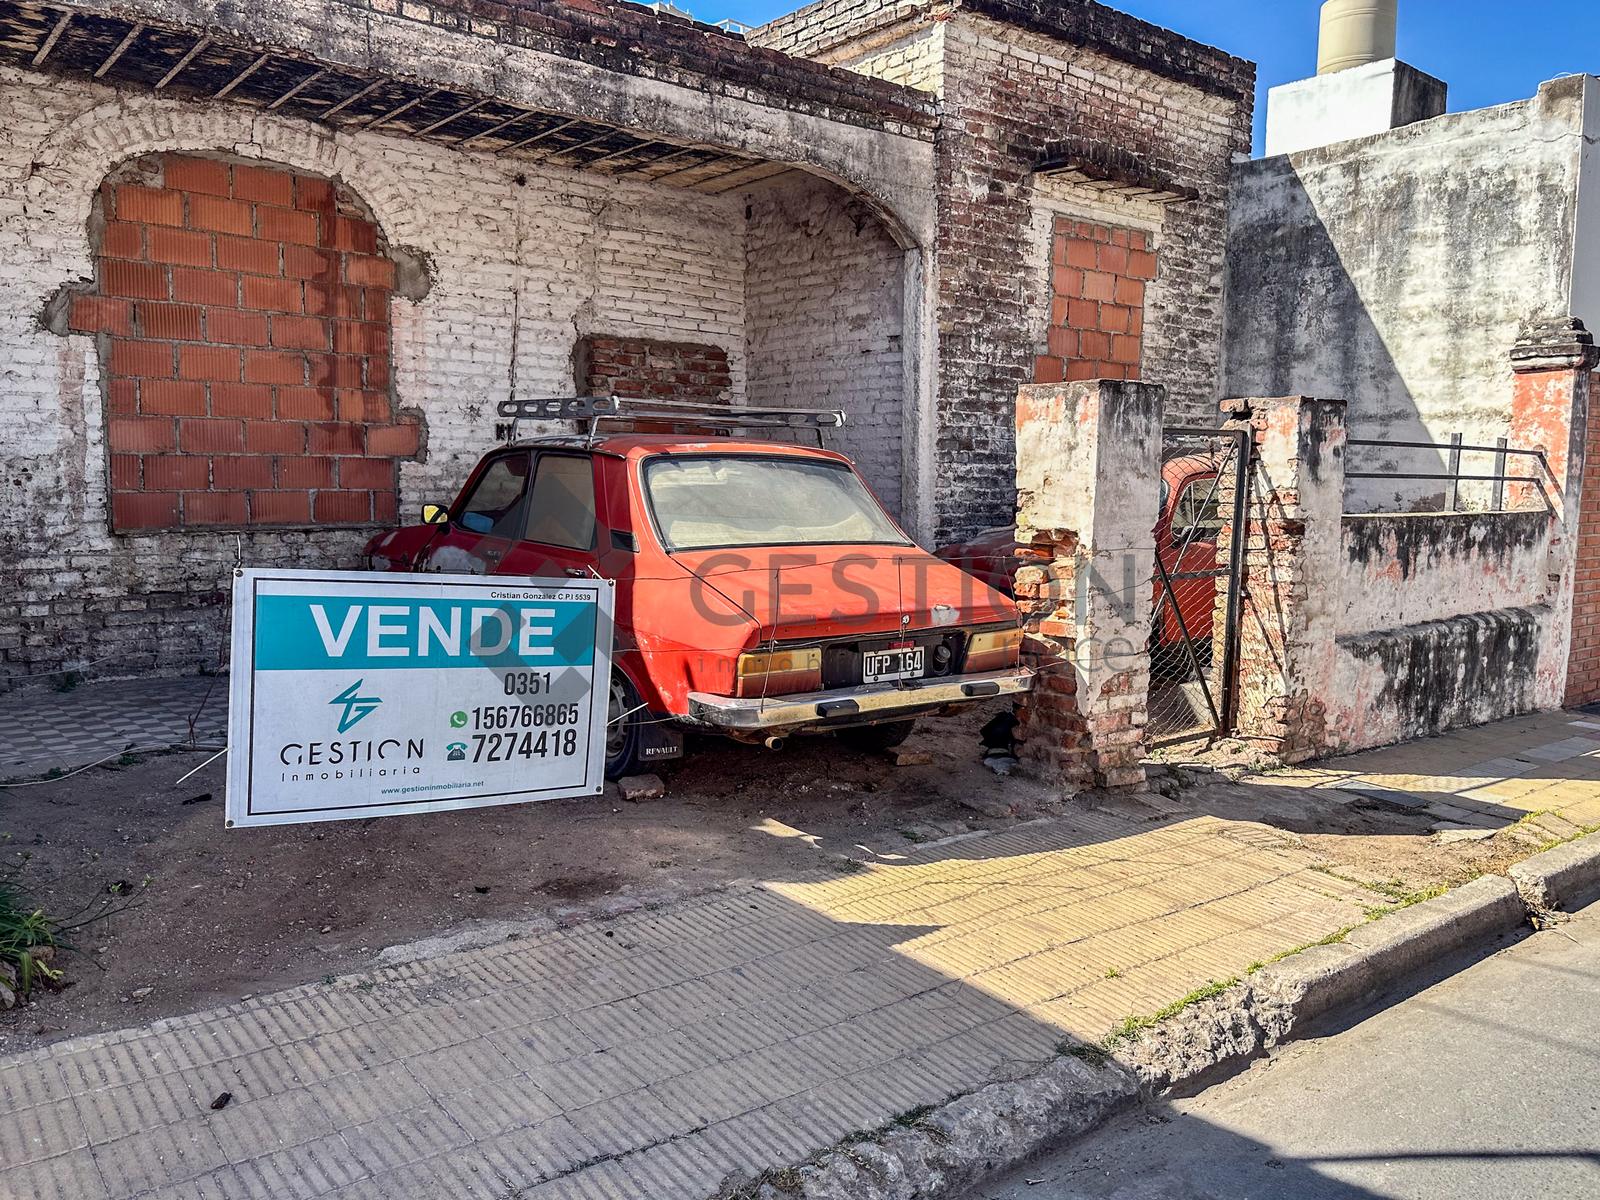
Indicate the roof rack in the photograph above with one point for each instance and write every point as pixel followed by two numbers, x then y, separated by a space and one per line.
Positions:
pixel 595 409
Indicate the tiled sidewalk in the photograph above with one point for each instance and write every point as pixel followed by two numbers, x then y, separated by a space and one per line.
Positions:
pixel 43 730
pixel 1542 770
pixel 653 1055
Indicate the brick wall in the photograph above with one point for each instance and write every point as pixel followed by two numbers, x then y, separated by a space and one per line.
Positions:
pixel 1006 93
pixel 824 296
pixel 243 317
pixel 642 368
pixel 519 264
pixel 1097 284
pixel 1583 663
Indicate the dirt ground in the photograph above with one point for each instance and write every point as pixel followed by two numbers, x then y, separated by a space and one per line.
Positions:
pixel 213 915
pixel 217 914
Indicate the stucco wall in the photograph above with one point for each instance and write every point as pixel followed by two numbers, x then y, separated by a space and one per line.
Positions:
pixel 1395 272
pixel 521 264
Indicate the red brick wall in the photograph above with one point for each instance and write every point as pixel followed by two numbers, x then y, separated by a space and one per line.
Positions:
pixel 244 321
pixel 1097 280
pixel 1583 661
pixel 640 368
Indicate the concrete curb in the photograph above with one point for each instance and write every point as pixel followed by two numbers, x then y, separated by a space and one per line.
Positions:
pixel 955 1146
pixel 1562 879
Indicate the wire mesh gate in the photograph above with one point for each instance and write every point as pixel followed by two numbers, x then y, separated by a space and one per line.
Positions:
pixel 1194 642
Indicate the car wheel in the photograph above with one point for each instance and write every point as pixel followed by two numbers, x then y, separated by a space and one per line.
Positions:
pixel 877 737
pixel 625 719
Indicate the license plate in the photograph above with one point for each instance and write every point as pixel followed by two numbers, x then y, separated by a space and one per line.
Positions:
pixel 883 666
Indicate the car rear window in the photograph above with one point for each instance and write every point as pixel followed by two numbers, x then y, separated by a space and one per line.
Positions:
pixel 706 502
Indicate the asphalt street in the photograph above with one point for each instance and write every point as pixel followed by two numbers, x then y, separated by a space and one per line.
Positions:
pixel 1486 1084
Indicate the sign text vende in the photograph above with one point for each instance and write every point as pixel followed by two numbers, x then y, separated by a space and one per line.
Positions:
pixel 359 694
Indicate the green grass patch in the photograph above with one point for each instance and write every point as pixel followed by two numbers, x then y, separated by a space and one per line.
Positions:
pixel 1134 1026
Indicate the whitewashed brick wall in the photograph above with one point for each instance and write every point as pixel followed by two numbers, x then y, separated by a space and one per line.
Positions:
pixel 523 262
pixel 824 290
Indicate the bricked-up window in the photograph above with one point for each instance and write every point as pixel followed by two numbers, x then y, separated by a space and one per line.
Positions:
pixel 244 319
pixel 645 369
pixel 1097 283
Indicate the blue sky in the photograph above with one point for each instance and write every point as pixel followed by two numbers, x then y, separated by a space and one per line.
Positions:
pixel 1488 53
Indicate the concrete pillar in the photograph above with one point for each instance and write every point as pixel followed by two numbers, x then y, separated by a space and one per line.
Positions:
pixel 1088 489
pixel 1551 411
pixel 1290 593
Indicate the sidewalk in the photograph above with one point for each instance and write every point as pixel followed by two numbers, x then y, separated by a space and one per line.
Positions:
pixel 658 1053
pixel 654 1055
pixel 44 730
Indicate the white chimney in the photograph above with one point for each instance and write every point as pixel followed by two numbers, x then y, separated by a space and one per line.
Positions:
pixel 1360 88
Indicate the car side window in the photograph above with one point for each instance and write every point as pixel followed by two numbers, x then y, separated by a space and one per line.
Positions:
pixel 1197 511
pixel 561 504
pixel 495 505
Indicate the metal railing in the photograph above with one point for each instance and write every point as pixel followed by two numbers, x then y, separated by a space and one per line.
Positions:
pixel 1453 477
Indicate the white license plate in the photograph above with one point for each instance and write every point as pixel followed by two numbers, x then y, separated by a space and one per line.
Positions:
pixel 883 666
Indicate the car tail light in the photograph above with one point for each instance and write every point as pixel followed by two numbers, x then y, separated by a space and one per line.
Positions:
pixel 994 649
pixel 779 672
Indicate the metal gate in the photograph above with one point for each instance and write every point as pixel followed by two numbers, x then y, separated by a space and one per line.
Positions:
pixel 1194 627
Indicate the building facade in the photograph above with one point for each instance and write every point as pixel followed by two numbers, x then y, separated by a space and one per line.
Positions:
pixel 267 272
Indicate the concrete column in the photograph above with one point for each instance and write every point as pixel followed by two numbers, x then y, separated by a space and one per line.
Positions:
pixel 1290 594
pixel 1088 484
pixel 1551 411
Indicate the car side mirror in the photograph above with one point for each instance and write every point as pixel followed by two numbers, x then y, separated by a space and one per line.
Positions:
pixel 435 514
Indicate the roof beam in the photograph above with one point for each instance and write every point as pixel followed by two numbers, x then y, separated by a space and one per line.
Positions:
pixel 354 96
pixel 455 116
pixel 255 66
pixel 296 90
pixel 400 109
pixel 122 47
pixel 494 129
pixel 177 67
pixel 538 137
pixel 52 38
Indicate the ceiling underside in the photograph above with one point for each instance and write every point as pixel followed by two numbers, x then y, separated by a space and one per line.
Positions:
pixel 131 55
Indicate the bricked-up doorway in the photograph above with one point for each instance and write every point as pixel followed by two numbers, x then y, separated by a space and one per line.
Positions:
pixel 243 319
pixel 1098 275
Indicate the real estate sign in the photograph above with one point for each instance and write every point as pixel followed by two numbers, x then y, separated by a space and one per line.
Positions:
pixel 363 694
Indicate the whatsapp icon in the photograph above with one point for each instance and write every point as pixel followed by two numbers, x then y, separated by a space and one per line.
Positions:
pixel 458 720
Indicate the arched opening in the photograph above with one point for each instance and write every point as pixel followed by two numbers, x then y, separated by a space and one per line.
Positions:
pixel 243 317
pixel 825 320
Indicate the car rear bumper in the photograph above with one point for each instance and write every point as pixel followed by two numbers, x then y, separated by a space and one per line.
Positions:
pixel 853 705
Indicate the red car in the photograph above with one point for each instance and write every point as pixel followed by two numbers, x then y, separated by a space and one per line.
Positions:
pixel 762 590
pixel 1185 537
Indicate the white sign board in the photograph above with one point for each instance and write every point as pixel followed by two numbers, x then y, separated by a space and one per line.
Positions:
pixel 365 694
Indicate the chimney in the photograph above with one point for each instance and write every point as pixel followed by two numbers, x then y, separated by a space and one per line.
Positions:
pixel 1360 88
pixel 1355 33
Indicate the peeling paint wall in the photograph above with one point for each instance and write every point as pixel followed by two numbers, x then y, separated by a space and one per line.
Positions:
pixel 1443 620
pixel 1395 272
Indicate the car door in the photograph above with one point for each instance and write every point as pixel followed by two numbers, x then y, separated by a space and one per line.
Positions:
pixel 487 519
pixel 561 527
pixel 1188 549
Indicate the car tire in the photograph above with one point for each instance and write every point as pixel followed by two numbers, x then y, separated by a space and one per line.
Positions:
pixel 625 721
pixel 877 737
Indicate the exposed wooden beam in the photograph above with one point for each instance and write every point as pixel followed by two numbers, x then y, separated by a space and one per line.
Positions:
pixel 296 90
pixel 54 36
pixel 111 59
pixel 399 109
pixel 668 158
pixel 739 165
pixel 455 116
pixel 354 96
pixel 494 129
pixel 243 75
pixel 177 67
pixel 576 146
pixel 738 179
pixel 633 149
pixel 538 137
